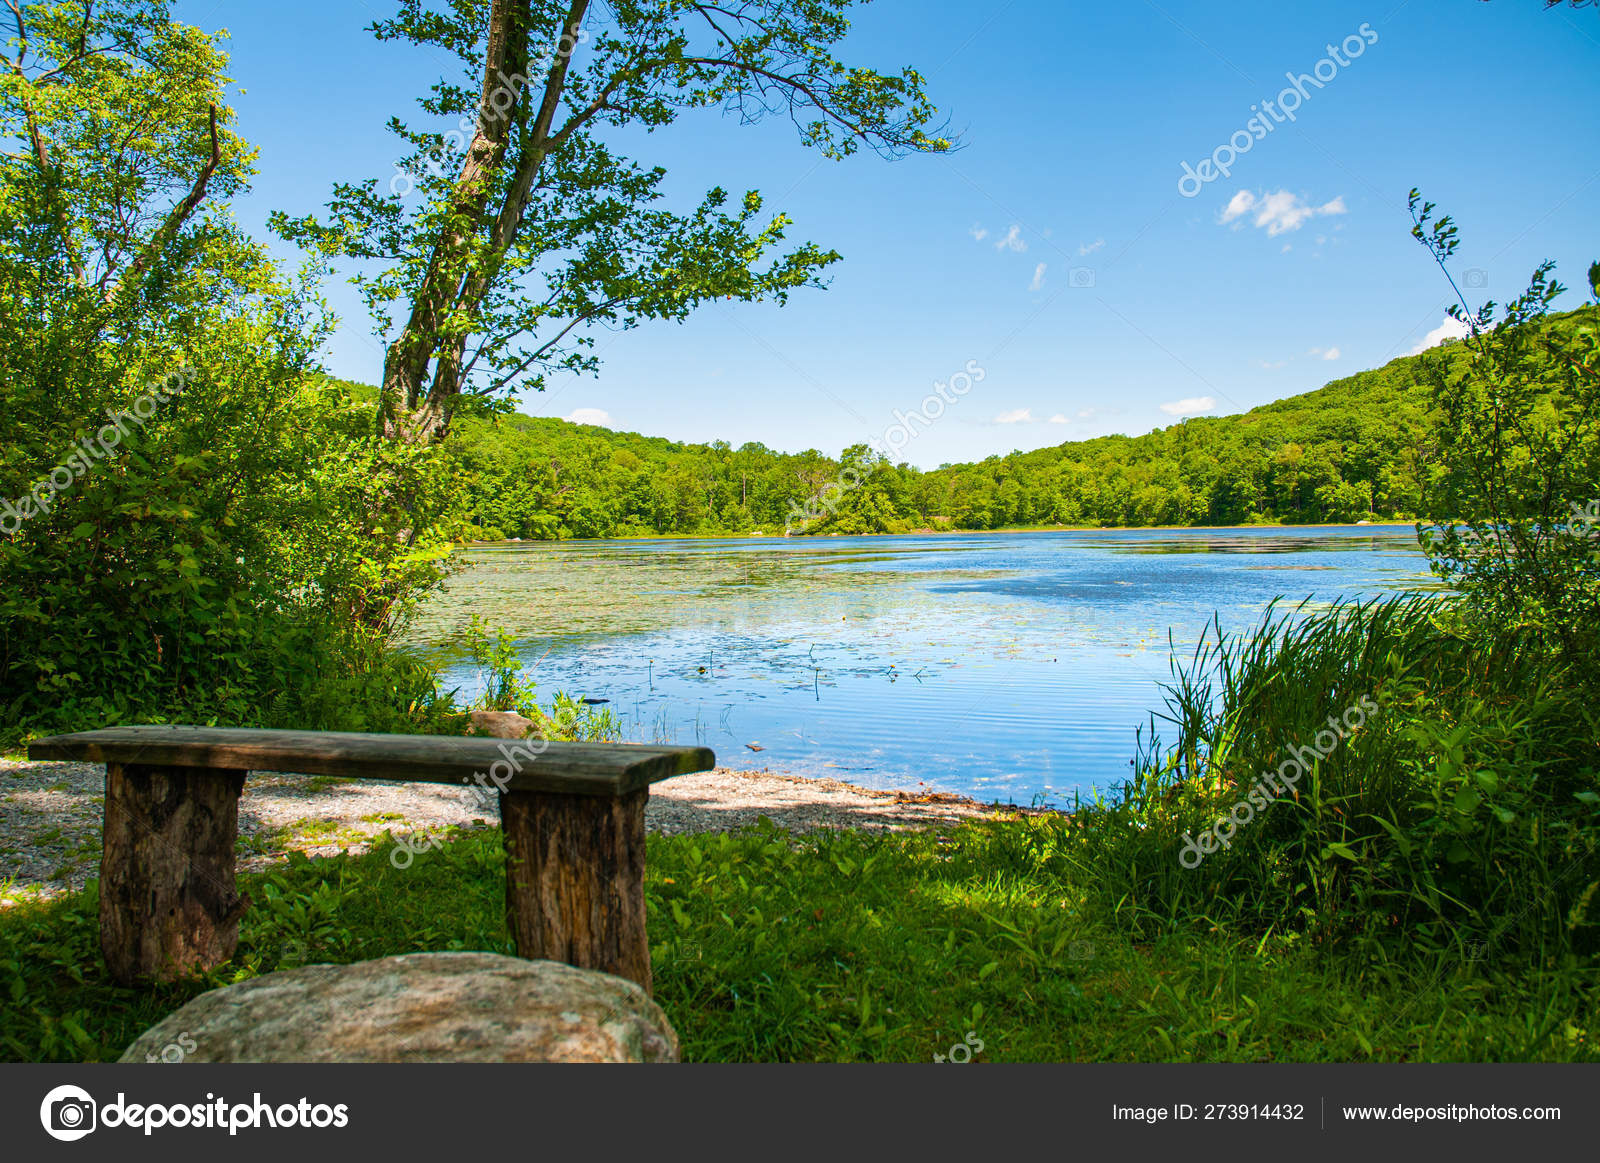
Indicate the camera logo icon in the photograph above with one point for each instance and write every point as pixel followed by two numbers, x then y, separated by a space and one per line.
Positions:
pixel 68 1113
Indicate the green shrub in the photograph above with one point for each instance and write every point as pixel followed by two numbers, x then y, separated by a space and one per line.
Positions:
pixel 1515 497
pixel 1461 815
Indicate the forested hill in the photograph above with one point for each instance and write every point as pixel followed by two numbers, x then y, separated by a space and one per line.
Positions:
pixel 1354 449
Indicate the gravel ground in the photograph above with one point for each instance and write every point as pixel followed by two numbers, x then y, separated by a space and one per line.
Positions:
pixel 50 814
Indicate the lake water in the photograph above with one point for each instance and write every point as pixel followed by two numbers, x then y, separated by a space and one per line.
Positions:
pixel 1011 667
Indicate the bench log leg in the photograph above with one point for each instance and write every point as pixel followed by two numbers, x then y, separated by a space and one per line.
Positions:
pixel 168 907
pixel 575 880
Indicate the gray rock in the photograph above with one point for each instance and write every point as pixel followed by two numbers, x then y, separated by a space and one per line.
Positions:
pixel 419 1007
pixel 501 724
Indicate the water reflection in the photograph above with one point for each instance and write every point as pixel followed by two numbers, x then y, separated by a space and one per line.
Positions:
pixel 1008 666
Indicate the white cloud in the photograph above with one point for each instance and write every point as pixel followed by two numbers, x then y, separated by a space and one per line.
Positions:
pixel 1038 278
pixel 1092 247
pixel 1013 240
pixel 1286 249
pixel 1324 352
pixel 591 416
pixel 1277 213
pixel 1058 418
pixel 1016 416
pixel 1239 204
pixel 979 233
pixel 1192 406
pixel 1273 366
pixel 1449 329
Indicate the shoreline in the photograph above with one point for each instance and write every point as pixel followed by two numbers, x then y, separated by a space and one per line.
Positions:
pixel 764 536
pixel 50 825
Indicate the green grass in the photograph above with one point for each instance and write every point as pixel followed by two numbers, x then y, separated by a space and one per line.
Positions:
pixel 1426 891
pixel 1462 809
pixel 853 947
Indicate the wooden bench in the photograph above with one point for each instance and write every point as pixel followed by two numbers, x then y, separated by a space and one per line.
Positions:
pixel 572 814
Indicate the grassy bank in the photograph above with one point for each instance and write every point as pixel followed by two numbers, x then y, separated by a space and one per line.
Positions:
pixel 1421 887
pixel 855 948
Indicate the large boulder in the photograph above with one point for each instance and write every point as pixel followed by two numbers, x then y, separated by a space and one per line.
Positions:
pixel 420 1007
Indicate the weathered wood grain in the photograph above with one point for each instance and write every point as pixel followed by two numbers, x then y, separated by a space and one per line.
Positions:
pixel 597 769
pixel 575 880
pixel 168 904
pixel 572 815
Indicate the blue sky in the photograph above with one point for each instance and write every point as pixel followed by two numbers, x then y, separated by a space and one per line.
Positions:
pixel 1055 252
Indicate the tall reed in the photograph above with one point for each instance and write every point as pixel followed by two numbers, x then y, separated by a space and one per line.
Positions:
pixel 1462 812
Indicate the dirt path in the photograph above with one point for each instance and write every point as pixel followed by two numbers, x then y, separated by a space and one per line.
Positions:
pixel 50 814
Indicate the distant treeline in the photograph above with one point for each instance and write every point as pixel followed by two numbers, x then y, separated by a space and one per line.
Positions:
pixel 1359 448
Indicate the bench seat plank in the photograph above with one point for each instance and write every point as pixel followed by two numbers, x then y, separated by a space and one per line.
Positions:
pixel 592 769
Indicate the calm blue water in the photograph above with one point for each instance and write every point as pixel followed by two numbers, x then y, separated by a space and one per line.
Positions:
pixel 1010 667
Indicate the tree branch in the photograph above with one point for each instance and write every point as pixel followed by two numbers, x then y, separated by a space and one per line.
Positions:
pixel 41 151
pixel 180 213
pixel 538 353
pixel 793 84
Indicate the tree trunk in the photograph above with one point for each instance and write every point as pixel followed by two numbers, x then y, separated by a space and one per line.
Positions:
pixel 457 279
pixel 575 880
pixel 168 907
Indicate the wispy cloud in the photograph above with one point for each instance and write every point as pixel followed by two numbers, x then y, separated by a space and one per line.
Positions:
pixel 1324 352
pixel 1016 416
pixel 1058 418
pixel 597 416
pixel 1276 213
pixel 1038 278
pixel 1092 247
pixel 1193 406
pixel 1449 329
pixel 1012 240
pixel 1272 366
pixel 979 233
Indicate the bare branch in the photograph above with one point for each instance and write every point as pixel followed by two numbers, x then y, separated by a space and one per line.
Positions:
pixel 539 352
pixel 180 213
pixel 793 85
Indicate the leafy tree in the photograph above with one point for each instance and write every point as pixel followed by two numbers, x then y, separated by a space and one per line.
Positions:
pixel 1519 444
pixel 502 241
pixel 188 521
pixel 1361 447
